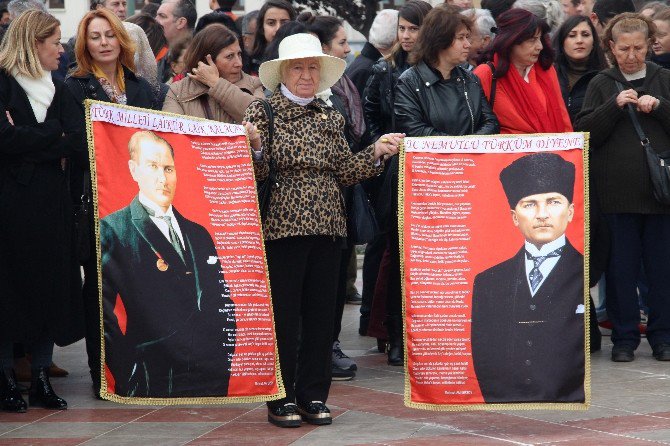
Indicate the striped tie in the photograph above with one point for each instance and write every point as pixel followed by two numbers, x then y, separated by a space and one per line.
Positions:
pixel 535 276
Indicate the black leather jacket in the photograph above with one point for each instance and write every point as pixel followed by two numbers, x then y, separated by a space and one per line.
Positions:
pixel 378 97
pixel 427 105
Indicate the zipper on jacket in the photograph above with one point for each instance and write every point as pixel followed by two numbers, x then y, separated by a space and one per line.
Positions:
pixel 472 116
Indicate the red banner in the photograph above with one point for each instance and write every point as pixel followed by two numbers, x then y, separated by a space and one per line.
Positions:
pixel 187 315
pixel 493 240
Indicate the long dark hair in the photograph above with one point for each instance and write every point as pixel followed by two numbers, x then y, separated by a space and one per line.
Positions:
pixel 414 12
pixel 324 26
pixel 514 27
pixel 596 60
pixel 287 29
pixel 210 40
pixel 260 43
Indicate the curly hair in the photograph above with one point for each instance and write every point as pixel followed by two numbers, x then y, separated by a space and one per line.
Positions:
pixel 627 22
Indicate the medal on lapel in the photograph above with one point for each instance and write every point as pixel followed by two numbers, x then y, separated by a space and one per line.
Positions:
pixel 161 265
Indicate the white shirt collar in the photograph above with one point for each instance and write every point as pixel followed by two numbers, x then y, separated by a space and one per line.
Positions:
pixel 526 73
pixel 158 211
pixel 547 248
pixel 293 98
pixel 637 75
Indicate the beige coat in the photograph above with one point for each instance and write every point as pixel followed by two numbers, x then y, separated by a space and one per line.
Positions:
pixel 226 101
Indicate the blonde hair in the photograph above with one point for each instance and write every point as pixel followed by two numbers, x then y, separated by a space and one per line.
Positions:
pixel 84 60
pixel 627 22
pixel 19 46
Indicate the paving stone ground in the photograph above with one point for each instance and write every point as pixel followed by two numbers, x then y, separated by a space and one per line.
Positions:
pixel 630 407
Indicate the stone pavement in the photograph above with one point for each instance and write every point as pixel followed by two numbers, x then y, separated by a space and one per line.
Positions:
pixel 630 406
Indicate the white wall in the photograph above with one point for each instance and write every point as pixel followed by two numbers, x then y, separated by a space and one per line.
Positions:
pixel 75 10
pixel 70 16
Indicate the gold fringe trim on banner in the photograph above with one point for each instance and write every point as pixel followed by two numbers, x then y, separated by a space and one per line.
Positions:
pixel 587 299
pixel 96 215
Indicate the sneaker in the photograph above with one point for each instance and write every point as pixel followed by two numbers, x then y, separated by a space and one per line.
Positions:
pixel 341 374
pixel 623 353
pixel 355 298
pixel 662 352
pixel 316 413
pixel 342 361
pixel 284 416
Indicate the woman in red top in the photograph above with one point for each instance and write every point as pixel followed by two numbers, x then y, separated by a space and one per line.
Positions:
pixel 527 97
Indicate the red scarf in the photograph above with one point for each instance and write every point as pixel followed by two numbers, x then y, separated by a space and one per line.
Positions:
pixel 529 106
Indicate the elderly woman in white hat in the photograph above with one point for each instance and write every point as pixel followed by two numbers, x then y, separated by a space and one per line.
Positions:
pixel 306 221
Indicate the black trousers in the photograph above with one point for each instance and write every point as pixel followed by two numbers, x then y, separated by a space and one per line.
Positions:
pixel 304 273
pixel 371 262
pixel 92 318
pixel 342 290
pixel 638 238
pixel 394 290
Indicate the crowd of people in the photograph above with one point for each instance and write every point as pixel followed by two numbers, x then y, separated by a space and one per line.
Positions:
pixel 511 67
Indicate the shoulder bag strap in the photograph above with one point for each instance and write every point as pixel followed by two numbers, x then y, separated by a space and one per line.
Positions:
pixel 271 121
pixel 492 94
pixel 204 101
pixel 633 117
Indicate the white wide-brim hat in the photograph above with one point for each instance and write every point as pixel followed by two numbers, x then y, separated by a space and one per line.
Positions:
pixel 301 46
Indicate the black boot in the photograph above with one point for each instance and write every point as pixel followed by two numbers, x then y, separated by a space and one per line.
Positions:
pixel 395 349
pixel 10 395
pixel 42 394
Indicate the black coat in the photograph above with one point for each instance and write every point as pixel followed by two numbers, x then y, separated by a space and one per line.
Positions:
pixel 360 69
pixel 38 276
pixel 178 322
pixel 427 105
pixel 618 165
pixel 530 348
pixel 139 93
pixel 573 98
pixel 378 96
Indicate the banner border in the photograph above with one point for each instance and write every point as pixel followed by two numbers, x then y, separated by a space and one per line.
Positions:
pixel 587 338
pixel 205 400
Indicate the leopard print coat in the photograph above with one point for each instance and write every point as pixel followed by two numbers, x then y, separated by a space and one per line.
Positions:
pixel 313 162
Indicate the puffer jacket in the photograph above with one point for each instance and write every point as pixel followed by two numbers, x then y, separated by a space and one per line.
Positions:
pixel 379 93
pixel 427 105
pixel 313 162
pixel 227 101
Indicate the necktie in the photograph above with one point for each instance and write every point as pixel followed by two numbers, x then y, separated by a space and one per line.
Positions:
pixel 174 238
pixel 535 276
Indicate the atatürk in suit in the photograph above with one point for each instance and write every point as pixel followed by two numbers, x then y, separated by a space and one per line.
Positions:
pixel 169 323
pixel 528 311
pixel 530 348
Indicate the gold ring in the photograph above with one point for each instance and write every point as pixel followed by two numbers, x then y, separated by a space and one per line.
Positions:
pixel 384 140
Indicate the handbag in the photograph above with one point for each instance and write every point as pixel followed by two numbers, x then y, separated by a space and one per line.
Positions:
pixel 362 225
pixel 659 163
pixel 264 188
pixel 82 212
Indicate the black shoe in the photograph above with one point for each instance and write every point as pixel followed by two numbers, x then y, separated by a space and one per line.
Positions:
pixel 623 353
pixel 662 352
pixel 316 413
pixel 42 394
pixel 10 395
pixel 342 374
pixel 355 299
pixel 284 416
